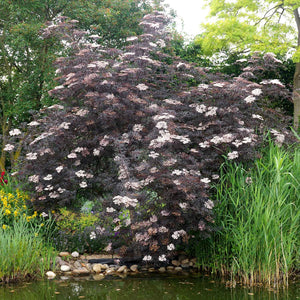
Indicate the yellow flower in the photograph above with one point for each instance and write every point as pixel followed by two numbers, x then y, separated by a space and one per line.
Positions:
pixel 42 224
pixel 7 212
pixel 16 213
pixel 36 234
pixel 4 226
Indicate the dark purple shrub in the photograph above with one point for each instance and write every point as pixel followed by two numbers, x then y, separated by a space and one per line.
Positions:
pixel 135 134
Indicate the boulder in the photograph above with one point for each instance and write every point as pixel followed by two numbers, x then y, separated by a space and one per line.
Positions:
pixel 75 254
pixel 134 268
pixel 63 254
pixel 50 275
pixel 97 268
pixel 121 269
pixel 65 268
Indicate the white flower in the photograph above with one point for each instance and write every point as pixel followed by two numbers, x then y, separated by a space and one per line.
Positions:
pixel 48 177
pixel 118 200
pixel 171 247
pixel 215 176
pixel 34 178
pixel 218 84
pixel 142 87
pixel 177 172
pixel 233 155
pixel 72 155
pixel 92 235
pixel 257 117
pixel 79 149
pixel 250 99
pixel 54 195
pixel 147 258
pixel 176 235
pixel 272 81
pixel 96 152
pixel 110 209
pixel 153 219
pixel 205 180
pixel 80 173
pixel 256 92
pixel 203 86
pixel 33 123
pixel 204 144
pixel 138 127
pixel 44 215
pixel 64 125
pixel 153 154
pixel 31 156
pixel 8 147
pixel 163 229
pixel 183 205
pixel 83 184
pixel 59 169
pixel 15 132
pixel 131 38
pixel 60 190
pixel 209 204
pixel 162 125
pixel 246 140
pixel 49 187
pixel 162 257
pixel 82 112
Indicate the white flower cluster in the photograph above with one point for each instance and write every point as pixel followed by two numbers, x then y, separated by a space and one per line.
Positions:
pixel 142 87
pixel 177 234
pixel 14 132
pixel 119 200
pixel 233 155
pixel 9 148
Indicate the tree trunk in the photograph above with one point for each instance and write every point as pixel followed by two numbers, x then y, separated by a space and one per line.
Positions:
pixel 296 96
pixel 296 90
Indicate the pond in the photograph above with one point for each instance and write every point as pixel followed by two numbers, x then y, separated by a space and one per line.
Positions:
pixel 141 287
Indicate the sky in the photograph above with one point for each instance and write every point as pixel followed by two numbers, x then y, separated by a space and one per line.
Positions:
pixel 191 12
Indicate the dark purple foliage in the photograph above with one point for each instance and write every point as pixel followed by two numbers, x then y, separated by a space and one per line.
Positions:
pixel 146 133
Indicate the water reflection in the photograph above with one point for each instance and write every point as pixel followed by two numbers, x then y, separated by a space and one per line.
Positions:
pixel 140 288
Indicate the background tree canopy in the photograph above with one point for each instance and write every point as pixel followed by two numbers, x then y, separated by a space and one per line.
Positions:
pixel 26 57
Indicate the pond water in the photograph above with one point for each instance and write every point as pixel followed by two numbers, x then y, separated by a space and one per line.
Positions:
pixel 141 287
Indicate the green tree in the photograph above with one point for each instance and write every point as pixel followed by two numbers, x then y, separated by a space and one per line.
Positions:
pixel 256 25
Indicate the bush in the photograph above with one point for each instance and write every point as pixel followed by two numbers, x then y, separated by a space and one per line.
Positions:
pixel 132 133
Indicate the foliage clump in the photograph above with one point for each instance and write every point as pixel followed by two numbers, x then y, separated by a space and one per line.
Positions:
pixel 145 133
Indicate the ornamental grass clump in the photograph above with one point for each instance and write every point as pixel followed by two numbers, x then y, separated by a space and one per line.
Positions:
pixel 145 133
pixel 24 252
pixel 259 214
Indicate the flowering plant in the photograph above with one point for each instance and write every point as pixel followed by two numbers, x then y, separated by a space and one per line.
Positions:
pixel 132 127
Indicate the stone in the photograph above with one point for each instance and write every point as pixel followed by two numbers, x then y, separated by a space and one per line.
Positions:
pixel 63 254
pixel 162 270
pixel 105 266
pixel 80 272
pixel 178 269
pixel 191 264
pixel 65 268
pixel 97 268
pixel 59 261
pixel 134 268
pixel 194 260
pixel 50 275
pixel 175 263
pixel 75 254
pixel 151 270
pixel 98 277
pixel 109 271
pixel 121 269
pixel 77 264
pixel 185 262
pixel 170 268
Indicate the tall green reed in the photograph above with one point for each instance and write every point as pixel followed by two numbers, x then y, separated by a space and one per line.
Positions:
pixel 23 252
pixel 258 213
